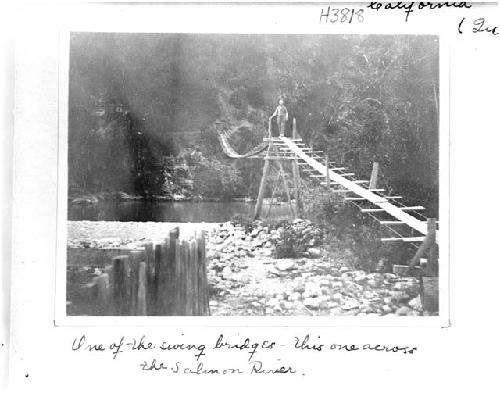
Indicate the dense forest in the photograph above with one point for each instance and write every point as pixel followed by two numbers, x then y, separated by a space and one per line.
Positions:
pixel 133 99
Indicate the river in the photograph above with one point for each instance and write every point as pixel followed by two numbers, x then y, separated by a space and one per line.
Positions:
pixel 171 211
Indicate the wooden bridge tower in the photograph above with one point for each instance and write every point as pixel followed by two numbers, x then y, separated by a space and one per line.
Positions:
pixel 277 157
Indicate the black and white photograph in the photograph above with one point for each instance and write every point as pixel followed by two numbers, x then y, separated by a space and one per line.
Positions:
pixel 220 197
pixel 252 175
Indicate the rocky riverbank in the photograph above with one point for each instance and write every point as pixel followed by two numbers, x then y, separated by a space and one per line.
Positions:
pixel 246 279
pixel 94 198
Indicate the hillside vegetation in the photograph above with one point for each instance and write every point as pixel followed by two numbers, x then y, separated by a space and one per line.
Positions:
pixel 359 98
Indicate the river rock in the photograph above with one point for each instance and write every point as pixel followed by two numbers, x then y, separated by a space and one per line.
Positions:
pixel 314 252
pixel 386 309
pixel 415 303
pixel 226 272
pixel 399 296
pixel 312 303
pixel 350 304
pixel 337 296
pixel 324 282
pixel 404 310
pixel 83 200
pixel 285 264
pixel 312 289
pixel 110 242
pixel 295 296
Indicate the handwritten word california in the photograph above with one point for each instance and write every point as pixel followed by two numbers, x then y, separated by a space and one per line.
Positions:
pixel 409 7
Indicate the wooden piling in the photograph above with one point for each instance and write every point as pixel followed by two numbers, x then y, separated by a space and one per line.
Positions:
pixel 162 290
pixel 166 279
pixel 188 278
pixel 429 278
pixel 150 279
pixel 327 178
pixel 262 189
pixel 374 176
pixel 158 259
pixel 193 257
pixel 103 294
pixel 120 286
pixel 287 190
pixel 135 258
pixel 141 290
pixel 202 273
pixel 171 284
pixel 296 175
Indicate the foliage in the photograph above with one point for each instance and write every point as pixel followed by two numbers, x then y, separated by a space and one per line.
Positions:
pixel 359 98
pixel 346 229
pixel 294 240
pixel 214 178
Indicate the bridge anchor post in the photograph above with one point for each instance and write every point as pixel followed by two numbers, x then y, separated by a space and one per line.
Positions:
pixel 296 175
pixel 262 189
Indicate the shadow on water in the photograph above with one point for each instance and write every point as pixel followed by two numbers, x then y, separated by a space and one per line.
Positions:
pixel 171 211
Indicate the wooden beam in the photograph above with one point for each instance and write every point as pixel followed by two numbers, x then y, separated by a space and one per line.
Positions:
pixel 406 239
pixel 287 190
pixel 429 240
pixel 262 188
pixel 374 176
pixel 377 210
pixel 337 183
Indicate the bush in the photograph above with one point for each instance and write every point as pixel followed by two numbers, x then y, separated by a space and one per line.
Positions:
pixel 349 232
pixel 295 239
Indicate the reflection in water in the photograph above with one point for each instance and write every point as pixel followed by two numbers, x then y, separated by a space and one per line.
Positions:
pixel 170 211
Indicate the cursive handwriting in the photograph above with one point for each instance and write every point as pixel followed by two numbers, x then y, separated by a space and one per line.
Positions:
pixel 255 367
pixel 245 345
pixel 409 7
pixel 479 26
pixel 260 357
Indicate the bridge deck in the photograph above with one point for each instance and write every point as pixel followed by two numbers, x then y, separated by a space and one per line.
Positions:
pixel 352 186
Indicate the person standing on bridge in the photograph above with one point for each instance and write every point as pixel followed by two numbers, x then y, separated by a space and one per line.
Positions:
pixel 281 114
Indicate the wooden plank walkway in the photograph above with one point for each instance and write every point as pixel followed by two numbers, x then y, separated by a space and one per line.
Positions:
pixel 386 205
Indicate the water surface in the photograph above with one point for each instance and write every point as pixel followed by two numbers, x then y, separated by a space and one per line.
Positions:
pixel 171 211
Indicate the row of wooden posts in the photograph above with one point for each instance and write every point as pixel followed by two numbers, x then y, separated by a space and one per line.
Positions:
pixel 167 279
